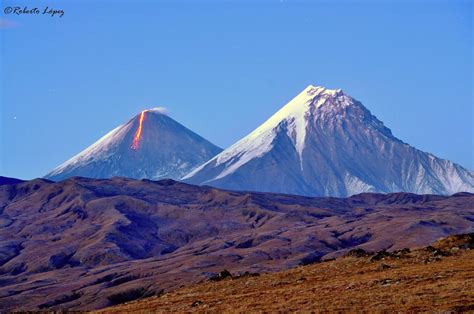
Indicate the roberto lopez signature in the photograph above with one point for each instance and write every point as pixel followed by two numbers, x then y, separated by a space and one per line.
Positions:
pixel 33 11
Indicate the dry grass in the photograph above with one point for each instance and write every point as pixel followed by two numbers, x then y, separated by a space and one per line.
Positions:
pixel 420 281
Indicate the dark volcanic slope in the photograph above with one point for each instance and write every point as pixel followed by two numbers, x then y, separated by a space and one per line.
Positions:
pixel 85 243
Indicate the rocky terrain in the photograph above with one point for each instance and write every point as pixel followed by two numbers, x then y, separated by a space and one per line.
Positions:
pixel 439 278
pixel 85 244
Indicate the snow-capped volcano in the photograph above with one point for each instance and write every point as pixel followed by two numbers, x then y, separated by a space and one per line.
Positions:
pixel 324 142
pixel 151 145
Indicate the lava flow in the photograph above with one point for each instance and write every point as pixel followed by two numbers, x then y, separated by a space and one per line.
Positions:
pixel 138 134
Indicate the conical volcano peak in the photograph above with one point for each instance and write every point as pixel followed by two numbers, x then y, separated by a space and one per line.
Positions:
pixel 324 142
pixel 151 145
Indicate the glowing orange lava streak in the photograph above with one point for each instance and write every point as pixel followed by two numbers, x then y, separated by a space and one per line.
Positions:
pixel 138 134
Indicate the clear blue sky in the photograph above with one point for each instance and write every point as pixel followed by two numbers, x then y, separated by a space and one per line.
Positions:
pixel 222 68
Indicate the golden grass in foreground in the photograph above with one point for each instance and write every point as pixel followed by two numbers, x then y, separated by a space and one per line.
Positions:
pixel 419 281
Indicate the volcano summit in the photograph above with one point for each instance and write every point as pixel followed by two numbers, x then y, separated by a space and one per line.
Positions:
pixel 151 145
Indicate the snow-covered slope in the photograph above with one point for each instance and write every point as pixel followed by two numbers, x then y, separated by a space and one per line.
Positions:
pixel 151 145
pixel 323 142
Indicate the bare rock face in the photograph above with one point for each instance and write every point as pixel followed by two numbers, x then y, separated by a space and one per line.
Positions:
pixel 149 146
pixel 90 243
pixel 325 143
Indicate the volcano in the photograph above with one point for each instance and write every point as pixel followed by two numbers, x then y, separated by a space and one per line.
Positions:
pixel 326 143
pixel 149 146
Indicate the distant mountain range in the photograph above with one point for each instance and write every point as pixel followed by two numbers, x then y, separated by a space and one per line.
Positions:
pixel 85 243
pixel 322 143
pixel 149 146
